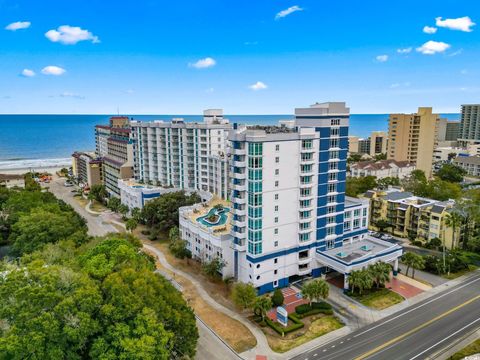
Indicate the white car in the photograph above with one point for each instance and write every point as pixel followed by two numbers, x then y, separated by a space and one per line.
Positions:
pixel 67 184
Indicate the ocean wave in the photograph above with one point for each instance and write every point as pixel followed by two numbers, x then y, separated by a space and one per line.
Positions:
pixel 34 163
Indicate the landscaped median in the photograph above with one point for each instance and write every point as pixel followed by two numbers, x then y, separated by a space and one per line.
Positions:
pixel 377 299
pixel 309 321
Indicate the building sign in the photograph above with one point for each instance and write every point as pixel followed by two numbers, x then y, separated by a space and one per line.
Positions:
pixel 282 316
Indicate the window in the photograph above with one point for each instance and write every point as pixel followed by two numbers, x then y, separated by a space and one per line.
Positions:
pixel 276 207
pixel 348 214
pixel 277 171
pixel 275 261
pixel 356 213
pixel 330 244
pixel 276 219
pixel 255 186
pixel 275 243
pixel 331 199
pixel 334 131
pixel 307 144
pixel 275 231
pixel 255 149
pixel 306 168
pixel 305 192
pixel 334 143
pixel 305 214
pixel 255 162
pixel 276 183
pixel 335 122
pixel 304 237
pixel 346 226
pixel 304 226
pixel 332 177
pixel 254 212
pixel 254 174
pixel 255 199
pixel 277 159
pixel 254 224
pixel 364 222
pixel 334 154
pixel 332 188
pixel 330 231
pixel 331 220
pixel 333 166
pixel 275 283
pixel 275 272
pixel 364 211
pixel 307 156
pixel 305 179
pixel 356 223
pixel 277 147
pixel 331 209
pixel 276 196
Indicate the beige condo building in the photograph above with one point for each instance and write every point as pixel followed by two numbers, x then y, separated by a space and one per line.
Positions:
pixel 412 138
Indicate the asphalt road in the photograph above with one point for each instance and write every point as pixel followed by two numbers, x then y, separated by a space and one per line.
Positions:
pixel 96 224
pixel 416 333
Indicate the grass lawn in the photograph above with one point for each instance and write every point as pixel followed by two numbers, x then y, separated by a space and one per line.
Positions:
pixel 378 299
pixel 460 273
pixel 317 326
pixel 472 349
pixel 96 206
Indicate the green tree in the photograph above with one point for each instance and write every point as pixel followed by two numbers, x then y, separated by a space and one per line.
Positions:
pixel 414 261
pixel 277 298
pixel 356 186
pixel 381 156
pixel 454 220
pixel 162 212
pixel 354 158
pixel 98 193
pixel 382 225
pixel 380 273
pixel 214 267
pixel 114 204
pixel 179 250
pixel 451 173
pixel 315 290
pixel 261 305
pixel 174 233
pixel 131 224
pixel 122 209
pixel 42 226
pixel 361 280
pixel 244 295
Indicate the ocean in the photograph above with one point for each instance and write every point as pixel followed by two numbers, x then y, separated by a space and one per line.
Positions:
pixel 36 141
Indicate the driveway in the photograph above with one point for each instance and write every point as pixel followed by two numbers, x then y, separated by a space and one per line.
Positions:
pixel 97 224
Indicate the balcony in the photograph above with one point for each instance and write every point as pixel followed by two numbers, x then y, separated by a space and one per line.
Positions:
pixel 304 261
pixel 239 187
pixel 240 235
pixel 239 223
pixel 239 200
pixel 239 163
pixel 238 175
pixel 240 151
pixel 240 212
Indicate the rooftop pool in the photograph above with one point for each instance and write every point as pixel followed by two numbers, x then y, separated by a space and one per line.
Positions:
pixel 214 217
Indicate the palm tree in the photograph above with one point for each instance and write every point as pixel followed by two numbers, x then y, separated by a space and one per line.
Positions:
pixel 262 305
pixel 360 279
pixel 454 220
pixel 315 289
pixel 380 273
pixel 414 261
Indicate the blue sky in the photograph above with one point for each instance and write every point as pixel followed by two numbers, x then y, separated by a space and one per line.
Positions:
pixel 248 57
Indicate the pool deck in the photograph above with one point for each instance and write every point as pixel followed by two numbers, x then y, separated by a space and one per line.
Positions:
pixel 203 210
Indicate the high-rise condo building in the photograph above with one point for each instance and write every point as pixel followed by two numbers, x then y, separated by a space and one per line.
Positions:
pixel 378 143
pixel 412 138
pixel 115 146
pixel 186 155
pixel 448 130
pixel 290 214
pixel 470 124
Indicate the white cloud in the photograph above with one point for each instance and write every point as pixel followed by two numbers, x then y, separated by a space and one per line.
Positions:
pixel 27 73
pixel 455 53
pixel 70 35
pixel 18 25
pixel 398 85
pixel 203 63
pixel 53 70
pixel 461 24
pixel 68 94
pixel 258 86
pixel 382 58
pixel 287 12
pixel 433 47
pixel 404 50
pixel 429 30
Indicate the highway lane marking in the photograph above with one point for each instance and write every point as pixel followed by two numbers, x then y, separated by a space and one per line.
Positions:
pixel 441 341
pixel 418 307
pixel 410 332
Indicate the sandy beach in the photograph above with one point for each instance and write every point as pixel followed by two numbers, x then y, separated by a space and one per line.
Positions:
pixel 51 170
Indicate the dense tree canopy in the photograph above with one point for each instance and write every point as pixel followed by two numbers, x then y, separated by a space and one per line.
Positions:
pixel 451 173
pixel 99 300
pixel 162 212
pixel 357 186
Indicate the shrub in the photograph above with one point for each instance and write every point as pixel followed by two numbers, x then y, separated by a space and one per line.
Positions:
pixel 145 232
pixel 277 298
pixel 281 330
pixel 305 310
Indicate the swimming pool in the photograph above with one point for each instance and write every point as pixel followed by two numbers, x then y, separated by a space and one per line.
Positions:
pixel 221 217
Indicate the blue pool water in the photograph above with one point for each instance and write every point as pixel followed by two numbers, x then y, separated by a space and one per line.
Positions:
pixel 222 217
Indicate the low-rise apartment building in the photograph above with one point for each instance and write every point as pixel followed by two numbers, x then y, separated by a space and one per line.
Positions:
pixel 135 195
pixel 382 169
pixel 410 216
pixel 471 164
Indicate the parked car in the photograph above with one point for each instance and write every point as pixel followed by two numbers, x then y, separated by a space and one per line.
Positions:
pixel 67 184
pixel 387 237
